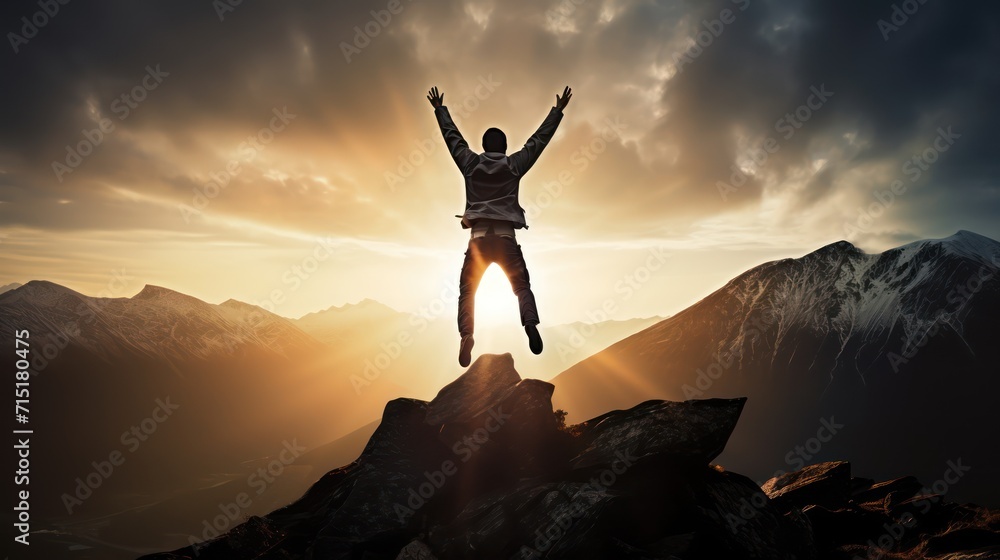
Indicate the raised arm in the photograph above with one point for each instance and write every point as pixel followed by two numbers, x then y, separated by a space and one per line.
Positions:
pixel 459 148
pixel 522 160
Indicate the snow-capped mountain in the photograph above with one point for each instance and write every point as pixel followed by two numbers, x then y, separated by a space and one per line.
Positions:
pixel 876 341
pixel 156 323
pixel 862 304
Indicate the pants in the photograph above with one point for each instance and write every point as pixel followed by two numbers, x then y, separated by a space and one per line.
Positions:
pixel 482 252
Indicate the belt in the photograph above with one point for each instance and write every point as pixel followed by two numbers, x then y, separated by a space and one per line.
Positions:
pixel 483 228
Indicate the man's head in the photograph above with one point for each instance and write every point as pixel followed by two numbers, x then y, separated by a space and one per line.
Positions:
pixel 494 140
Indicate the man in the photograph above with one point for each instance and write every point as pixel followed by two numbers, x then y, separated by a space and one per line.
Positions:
pixel 492 212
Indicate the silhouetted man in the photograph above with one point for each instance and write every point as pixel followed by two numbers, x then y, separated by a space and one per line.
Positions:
pixel 492 213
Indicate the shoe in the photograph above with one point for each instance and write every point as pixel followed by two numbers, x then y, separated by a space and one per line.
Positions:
pixel 465 352
pixel 534 339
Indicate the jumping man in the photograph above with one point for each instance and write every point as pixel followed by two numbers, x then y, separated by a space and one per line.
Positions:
pixel 492 212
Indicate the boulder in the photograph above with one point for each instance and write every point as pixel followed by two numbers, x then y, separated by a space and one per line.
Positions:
pixel 693 432
pixel 827 484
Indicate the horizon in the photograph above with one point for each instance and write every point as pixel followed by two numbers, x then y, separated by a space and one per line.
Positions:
pixel 489 322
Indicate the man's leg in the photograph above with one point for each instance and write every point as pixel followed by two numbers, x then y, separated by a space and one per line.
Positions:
pixel 472 273
pixel 512 261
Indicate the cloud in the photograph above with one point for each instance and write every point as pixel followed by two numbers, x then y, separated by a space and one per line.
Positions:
pixel 697 87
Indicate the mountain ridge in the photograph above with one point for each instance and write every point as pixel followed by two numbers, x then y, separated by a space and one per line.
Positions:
pixel 484 470
pixel 863 337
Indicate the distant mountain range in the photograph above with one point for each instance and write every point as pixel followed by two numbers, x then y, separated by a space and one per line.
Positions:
pixel 240 385
pixel 8 287
pixel 374 331
pixel 898 349
pixel 156 323
pixel 246 382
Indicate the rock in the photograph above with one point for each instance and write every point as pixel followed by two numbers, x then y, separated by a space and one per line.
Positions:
pixel 739 521
pixel 482 386
pixel 693 432
pixel 827 484
pixel 557 520
pixel 964 539
pixel 833 527
pixel 886 495
pixel 416 550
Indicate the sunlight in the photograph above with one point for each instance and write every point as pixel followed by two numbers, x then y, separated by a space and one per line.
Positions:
pixel 496 304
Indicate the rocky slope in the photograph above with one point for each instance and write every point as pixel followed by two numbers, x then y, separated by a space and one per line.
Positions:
pixel 899 348
pixel 485 470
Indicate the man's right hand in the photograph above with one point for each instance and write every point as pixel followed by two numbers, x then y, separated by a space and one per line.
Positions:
pixel 562 102
pixel 436 99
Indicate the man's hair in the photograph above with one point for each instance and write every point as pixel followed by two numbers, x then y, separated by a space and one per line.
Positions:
pixel 494 140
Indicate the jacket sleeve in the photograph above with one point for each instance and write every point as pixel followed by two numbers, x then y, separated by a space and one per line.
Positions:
pixel 459 148
pixel 522 160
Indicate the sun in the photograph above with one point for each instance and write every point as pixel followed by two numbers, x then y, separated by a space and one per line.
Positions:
pixel 496 304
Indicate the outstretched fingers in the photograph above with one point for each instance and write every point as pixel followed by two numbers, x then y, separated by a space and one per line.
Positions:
pixel 435 97
pixel 564 100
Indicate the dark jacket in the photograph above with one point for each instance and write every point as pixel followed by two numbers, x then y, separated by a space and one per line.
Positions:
pixel 492 179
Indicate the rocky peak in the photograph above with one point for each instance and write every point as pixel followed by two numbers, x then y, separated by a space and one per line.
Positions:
pixel 158 295
pixel 484 471
pixel 482 385
pixel 838 249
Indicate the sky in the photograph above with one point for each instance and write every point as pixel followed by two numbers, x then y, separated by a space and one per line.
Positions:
pixel 285 154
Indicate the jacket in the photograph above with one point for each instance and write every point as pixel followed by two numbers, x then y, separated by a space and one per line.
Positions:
pixel 492 179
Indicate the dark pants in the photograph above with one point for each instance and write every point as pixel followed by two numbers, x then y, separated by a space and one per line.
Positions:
pixel 482 252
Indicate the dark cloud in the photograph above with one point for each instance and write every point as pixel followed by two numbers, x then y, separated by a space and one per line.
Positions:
pixel 355 119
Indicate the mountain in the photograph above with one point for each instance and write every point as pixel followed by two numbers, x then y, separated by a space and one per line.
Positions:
pixel 379 343
pixel 156 323
pixel 886 359
pixel 9 287
pixel 485 470
pixel 142 381
pixel 342 324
